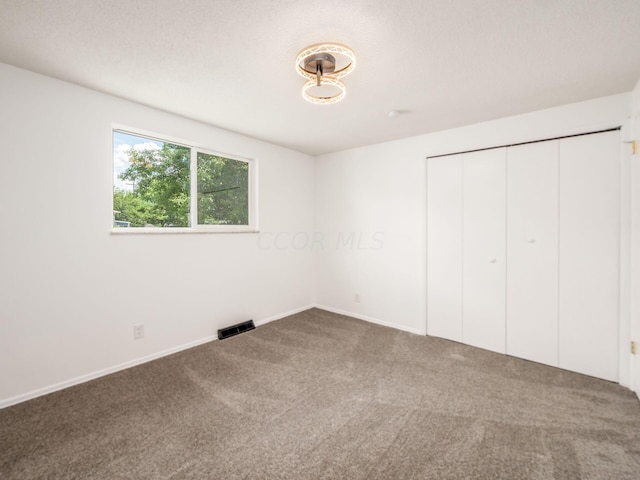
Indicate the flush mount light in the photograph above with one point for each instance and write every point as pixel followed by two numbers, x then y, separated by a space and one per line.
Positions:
pixel 323 65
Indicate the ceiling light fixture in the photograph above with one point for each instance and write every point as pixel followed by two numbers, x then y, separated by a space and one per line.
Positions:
pixel 324 65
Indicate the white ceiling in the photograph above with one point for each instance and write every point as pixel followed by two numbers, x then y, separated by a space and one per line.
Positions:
pixel 230 63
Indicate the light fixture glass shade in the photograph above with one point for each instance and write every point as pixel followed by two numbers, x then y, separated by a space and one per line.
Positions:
pixel 309 85
pixel 346 59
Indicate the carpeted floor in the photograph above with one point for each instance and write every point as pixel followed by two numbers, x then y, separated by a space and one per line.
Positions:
pixel 323 396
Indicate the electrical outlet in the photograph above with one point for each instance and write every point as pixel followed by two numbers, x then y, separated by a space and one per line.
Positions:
pixel 138 331
pixel 357 298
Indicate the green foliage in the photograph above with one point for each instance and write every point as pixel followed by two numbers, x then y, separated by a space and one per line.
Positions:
pixel 223 191
pixel 161 188
pixel 130 207
pixel 160 196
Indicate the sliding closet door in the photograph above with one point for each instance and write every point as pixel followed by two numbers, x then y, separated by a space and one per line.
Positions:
pixel 589 254
pixel 444 250
pixel 532 252
pixel 483 232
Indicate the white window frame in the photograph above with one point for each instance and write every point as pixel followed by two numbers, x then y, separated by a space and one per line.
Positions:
pixel 195 148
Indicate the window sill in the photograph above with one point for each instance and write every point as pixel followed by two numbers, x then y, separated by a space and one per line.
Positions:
pixel 180 230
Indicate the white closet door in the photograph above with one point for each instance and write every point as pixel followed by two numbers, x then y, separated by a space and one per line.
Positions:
pixel 532 252
pixel 589 254
pixel 444 247
pixel 483 297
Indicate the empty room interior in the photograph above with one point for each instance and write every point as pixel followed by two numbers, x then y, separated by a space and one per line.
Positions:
pixel 304 240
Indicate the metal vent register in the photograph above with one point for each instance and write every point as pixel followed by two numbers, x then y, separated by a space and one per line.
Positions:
pixel 235 329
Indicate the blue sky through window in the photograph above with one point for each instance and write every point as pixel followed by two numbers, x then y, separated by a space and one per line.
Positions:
pixel 123 143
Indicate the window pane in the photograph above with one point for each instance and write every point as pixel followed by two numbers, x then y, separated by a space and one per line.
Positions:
pixel 151 182
pixel 223 191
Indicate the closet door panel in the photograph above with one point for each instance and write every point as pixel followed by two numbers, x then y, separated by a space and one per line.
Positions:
pixel 483 302
pixel 444 247
pixel 589 254
pixel 532 252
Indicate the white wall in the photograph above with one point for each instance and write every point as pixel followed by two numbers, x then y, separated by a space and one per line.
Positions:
pixel 382 188
pixel 635 240
pixel 370 206
pixel 70 291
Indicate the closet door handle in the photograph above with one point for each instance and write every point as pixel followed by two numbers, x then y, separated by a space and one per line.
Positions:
pixel 531 240
pixel 492 259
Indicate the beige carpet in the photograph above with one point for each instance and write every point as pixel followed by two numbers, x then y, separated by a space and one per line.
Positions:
pixel 322 396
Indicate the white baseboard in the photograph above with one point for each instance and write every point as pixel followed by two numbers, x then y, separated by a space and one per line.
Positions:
pixel 282 315
pixel 101 373
pixel 138 361
pixel 132 363
pixel 372 320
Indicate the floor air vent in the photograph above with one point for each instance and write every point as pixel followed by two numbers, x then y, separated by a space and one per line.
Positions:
pixel 235 329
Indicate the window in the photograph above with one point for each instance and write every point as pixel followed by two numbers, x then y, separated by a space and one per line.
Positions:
pixel 223 190
pixel 161 185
